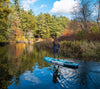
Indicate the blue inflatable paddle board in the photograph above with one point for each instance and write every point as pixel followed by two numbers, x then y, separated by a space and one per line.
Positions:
pixel 61 62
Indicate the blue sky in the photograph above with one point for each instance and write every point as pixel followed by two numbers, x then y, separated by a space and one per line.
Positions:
pixel 38 6
pixel 54 7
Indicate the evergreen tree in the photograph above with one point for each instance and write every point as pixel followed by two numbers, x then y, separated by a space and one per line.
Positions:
pixel 16 2
pixel 47 25
pixel 40 25
pixel 28 22
pixel 4 12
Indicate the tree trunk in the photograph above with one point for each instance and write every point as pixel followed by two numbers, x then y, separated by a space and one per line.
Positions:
pixel 98 20
pixel 85 26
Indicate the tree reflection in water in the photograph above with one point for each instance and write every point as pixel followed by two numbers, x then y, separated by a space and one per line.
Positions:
pixel 15 59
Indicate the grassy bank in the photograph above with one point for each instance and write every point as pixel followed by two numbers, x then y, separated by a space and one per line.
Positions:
pixel 80 49
pixel 73 49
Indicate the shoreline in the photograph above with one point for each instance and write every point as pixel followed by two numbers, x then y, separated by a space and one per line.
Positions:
pixel 37 40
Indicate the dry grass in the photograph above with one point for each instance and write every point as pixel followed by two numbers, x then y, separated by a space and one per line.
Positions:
pixel 73 49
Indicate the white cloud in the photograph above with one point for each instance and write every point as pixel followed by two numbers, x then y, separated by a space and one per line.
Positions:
pixel 95 11
pixel 43 6
pixel 30 77
pixel 64 6
pixel 26 3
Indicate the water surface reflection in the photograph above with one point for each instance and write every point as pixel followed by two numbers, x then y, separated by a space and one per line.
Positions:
pixel 22 67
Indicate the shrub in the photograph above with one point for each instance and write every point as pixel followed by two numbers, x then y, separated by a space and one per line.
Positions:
pixel 74 49
pixel 94 29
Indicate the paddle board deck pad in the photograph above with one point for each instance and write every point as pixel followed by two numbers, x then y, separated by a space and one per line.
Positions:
pixel 61 62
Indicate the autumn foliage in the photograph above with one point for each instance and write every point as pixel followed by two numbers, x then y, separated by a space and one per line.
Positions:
pixel 67 32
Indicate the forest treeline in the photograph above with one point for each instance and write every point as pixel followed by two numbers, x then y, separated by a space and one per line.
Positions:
pixel 17 24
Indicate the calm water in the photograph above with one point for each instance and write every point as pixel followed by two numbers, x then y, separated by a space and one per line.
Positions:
pixel 22 67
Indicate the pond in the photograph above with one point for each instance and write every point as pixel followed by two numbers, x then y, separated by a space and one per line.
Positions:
pixel 22 67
